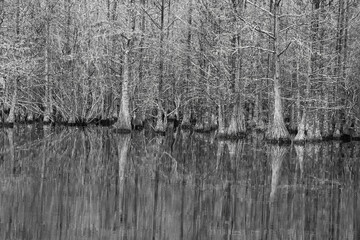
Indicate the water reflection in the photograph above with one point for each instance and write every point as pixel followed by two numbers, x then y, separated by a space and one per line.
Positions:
pixel 92 184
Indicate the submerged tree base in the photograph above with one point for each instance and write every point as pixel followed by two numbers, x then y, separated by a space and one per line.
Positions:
pixel 106 122
pixel 46 122
pixel 280 141
pixel 307 141
pixel 186 125
pixel 121 131
pixel 233 136
pixel 278 133
pixel 202 130
pixel 6 125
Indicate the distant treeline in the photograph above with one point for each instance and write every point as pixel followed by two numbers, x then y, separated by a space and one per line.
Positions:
pixel 239 65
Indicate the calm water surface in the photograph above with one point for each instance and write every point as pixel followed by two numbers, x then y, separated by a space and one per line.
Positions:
pixel 69 183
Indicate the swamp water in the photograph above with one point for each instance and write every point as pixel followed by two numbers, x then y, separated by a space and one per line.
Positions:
pixel 69 183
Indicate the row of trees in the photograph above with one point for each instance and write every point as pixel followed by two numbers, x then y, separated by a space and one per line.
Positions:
pixel 231 65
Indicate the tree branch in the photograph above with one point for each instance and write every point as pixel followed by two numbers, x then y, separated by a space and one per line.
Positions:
pixel 257 28
pixel 257 48
pixel 152 20
pixel 284 49
pixel 261 8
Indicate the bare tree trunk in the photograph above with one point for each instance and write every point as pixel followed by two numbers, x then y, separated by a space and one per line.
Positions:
pixel 347 118
pixel 2 99
pixel 294 90
pixel 30 114
pixel 356 133
pixel 237 119
pixel 139 116
pixel 187 110
pixel 325 93
pixel 161 121
pixel 124 118
pixel 277 131
pixel 298 93
pixel 300 136
pixel 313 122
pixel 160 126
pixel 48 95
pixel 221 121
pixel 338 69
pixel 11 118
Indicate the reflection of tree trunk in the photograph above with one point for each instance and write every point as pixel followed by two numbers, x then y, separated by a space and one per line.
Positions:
pixel 356 209
pixel 156 197
pixel 197 207
pixel 84 157
pixel 226 211
pixel 136 199
pixel 10 134
pixel 310 214
pixel 300 155
pixel 123 142
pixel 232 151
pixel 182 219
pixel 219 153
pixel 237 155
pixel 123 145
pixel 159 142
pixel 338 212
pixel 43 167
pixel 277 157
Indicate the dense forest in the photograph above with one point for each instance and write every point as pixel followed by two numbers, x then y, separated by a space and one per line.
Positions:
pixel 234 65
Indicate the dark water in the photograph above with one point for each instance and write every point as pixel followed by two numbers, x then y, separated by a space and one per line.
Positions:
pixel 93 184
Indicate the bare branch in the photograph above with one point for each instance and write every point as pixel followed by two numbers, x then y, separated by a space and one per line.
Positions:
pixel 261 8
pixel 257 28
pixel 255 47
pixel 292 15
pixel 284 49
pixel 152 20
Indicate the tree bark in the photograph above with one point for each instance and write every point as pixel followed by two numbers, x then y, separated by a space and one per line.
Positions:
pixel 187 110
pixel 277 131
pixel 237 119
pixel 160 123
pixel 48 94
pixel 300 136
pixel 11 118
pixel 221 121
pixel 139 115
pixel 338 95
pixel 124 118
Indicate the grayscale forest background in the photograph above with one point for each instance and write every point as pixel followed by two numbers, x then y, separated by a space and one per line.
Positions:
pixel 234 65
